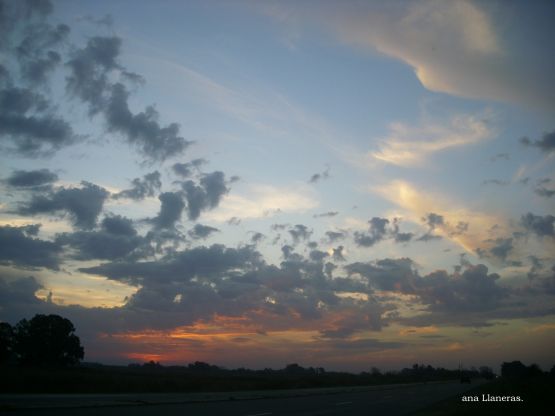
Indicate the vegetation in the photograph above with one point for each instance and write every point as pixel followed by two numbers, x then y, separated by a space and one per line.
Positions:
pixel 45 340
pixel 43 355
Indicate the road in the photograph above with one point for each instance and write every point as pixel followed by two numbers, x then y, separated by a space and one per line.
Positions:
pixel 383 400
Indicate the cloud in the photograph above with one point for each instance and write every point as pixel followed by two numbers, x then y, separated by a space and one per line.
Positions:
pixel 502 248
pixel 200 231
pixel 320 176
pixel 299 233
pixel 205 195
pixel 142 129
pixel 264 200
pixel 31 178
pixel 116 239
pixel 257 237
pixel 84 204
pixel 29 125
pixel 142 188
pixel 334 236
pixel 458 47
pixel 412 145
pixel 497 182
pixel 18 248
pixel 545 144
pixel 541 226
pixel 468 228
pixel 326 214
pixel 171 207
pixel 375 234
pixel 186 170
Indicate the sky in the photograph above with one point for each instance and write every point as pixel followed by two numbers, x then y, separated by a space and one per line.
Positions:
pixel 338 184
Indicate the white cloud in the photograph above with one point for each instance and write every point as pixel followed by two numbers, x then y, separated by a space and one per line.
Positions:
pixel 410 145
pixel 455 47
pixel 263 201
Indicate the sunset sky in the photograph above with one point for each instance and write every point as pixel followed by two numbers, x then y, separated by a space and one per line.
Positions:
pixel 341 184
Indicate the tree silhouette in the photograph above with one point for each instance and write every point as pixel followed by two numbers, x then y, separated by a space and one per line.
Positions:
pixel 47 340
pixel 6 342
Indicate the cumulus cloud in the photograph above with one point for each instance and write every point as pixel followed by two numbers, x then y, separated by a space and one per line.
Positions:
pixel 29 123
pixel 116 239
pixel 19 248
pixel 31 178
pixel 539 225
pixel 200 231
pixel 142 188
pixel 186 170
pixel 376 232
pixel 317 177
pixel 83 204
pixel 171 207
pixel 204 195
pixel 300 233
pixel 545 144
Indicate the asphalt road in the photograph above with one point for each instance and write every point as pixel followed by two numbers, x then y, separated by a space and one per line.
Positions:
pixel 390 401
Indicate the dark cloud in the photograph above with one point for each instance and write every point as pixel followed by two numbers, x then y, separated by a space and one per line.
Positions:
pixel 497 182
pixel 498 156
pixel 432 220
pixel 475 289
pixel 186 170
pixel 398 236
pixel 200 261
pixel 142 188
pixel 317 255
pixel 299 233
pixel 320 176
pixel 105 245
pixel 19 248
pixel 257 237
pixel 206 194
pixel 545 144
pixel 338 253
pixel 84 204
pixel 541 190
pixel 544 192
pixel 375 234
pixel 326 214
pixel 19 294
pixel 200 231
pixel 502 248
pixel 31 178
pixel 142 129
pixel 29 125
pixel 541 226
pixel 334 236
pixel 118 225
pixel 387 274
pixel 171 207
pixel 234 221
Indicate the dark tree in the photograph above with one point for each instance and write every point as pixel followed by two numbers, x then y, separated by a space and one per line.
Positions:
pixel 47 340
pixel 6 342
pixel 514 369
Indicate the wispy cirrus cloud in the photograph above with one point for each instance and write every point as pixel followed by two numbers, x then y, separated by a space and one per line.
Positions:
pixel 407 145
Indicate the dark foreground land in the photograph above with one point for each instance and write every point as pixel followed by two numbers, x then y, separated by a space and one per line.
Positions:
pixel 376 400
